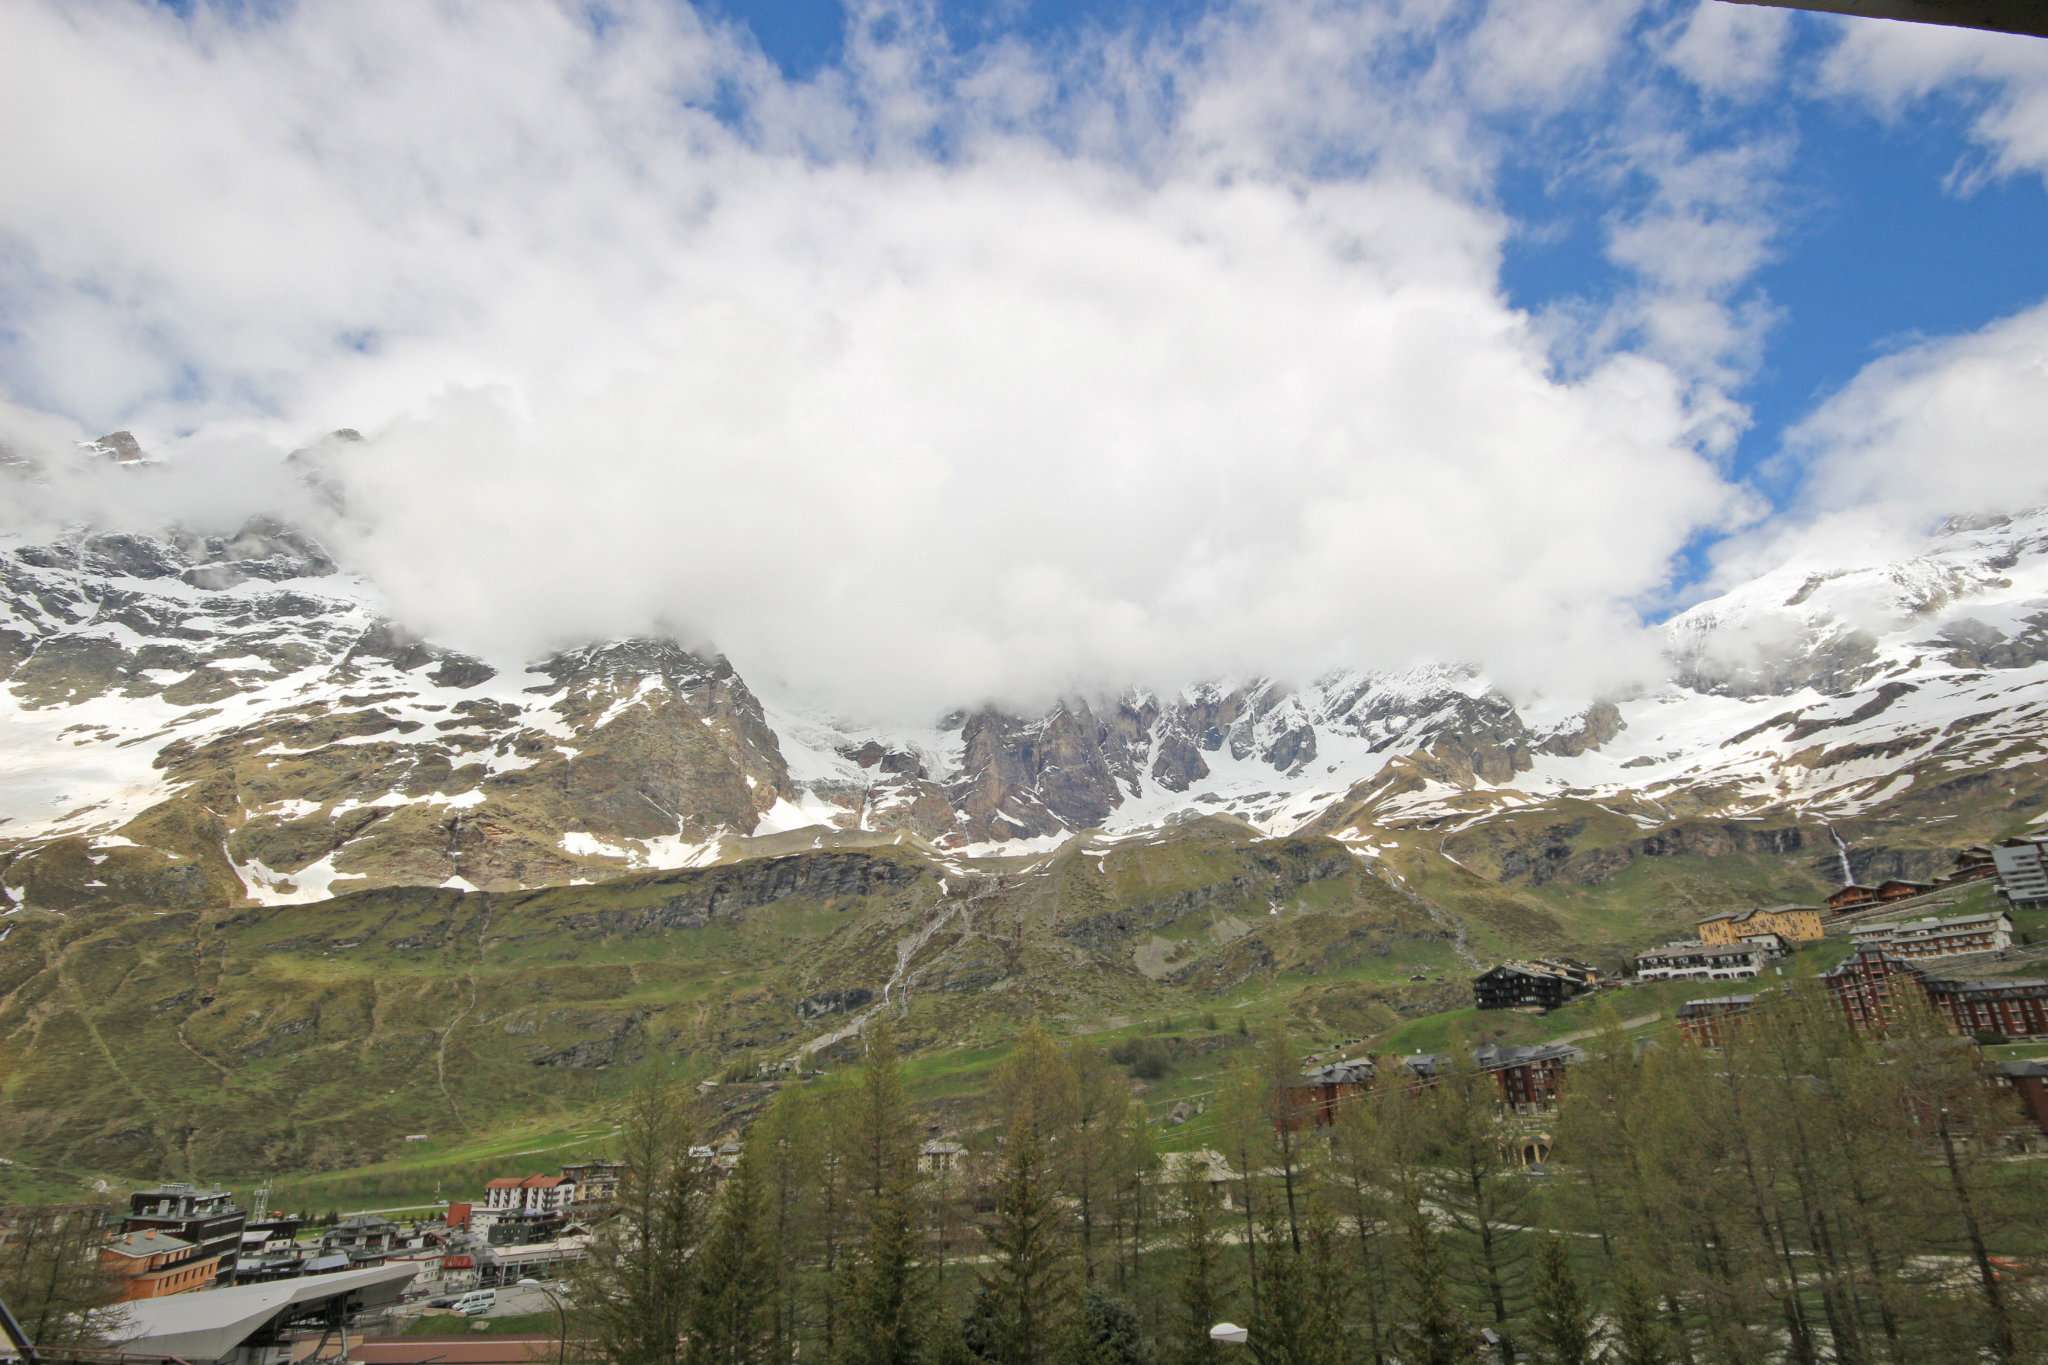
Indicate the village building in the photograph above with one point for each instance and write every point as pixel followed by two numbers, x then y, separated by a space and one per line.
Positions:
pixel 594 1182
pixel 364 1238
pixel 503 1263
pixel 2022 866
pixel 1792 923
pixel 270 1251
pixel 1530 1078
pixel 1899 889
pixel 1707 1023
pixel 2027 1079
pixel 1204 1164
pixel 1873 986
pixel 1851 896
pixel 1542 984
pixel 1974 863
pixel 938 1156
pixel 1421 1069
pixel 1701 961
pixel 533 1196
pixel 1313 1100
pixel 1919 939
pixel 151 1264
pixel 2009 1008
pixel 208 1219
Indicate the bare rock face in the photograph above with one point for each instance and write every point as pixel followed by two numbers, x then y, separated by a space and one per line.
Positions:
pixel 1021 779
pixel 1600 724
pixel 118 447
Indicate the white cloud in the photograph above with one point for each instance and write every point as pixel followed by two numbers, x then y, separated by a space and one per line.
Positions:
pixel 1952 425
pixel 2002 79
pixel 1543 54
pixel 942 375
pixel 1729 50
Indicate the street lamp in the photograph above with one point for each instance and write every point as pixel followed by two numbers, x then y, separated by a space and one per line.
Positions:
pixel 561 1318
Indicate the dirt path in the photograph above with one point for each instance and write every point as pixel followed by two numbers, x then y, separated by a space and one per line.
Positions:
pixel 441 1050
pixel 1627 1026
pixel 164 1127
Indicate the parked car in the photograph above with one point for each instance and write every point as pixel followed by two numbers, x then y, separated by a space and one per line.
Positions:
pixel 476 1302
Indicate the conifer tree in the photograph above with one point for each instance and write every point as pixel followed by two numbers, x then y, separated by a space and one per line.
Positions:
pixel 1105 1332
pixel 1371 1166
pixel 1431 1331
pixel 634 1287
pixel 1638 1334
pixel 735 1290
pixel 1476 1185
pixel 1564 1326
pixel 1198 1244
pixel 1283 1326
pixel 786 1145
pixel 1093 1140
pixel 886 1301
pixel 1028 1284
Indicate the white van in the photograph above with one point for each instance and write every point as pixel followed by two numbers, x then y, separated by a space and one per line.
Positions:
pixel 475 1303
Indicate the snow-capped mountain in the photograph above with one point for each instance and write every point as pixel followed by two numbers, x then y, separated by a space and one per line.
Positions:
pixel 190 720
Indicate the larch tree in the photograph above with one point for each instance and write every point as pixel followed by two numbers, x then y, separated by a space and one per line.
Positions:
pixel 886 1299
pixel 1027 1286
pixel 635 1286
pixel 735 1290
pixel 1564 1325
pixel 1199 1291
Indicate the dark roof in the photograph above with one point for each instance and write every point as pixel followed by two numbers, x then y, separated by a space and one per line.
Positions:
pixel 1493 1056
pixel 1340 1073
pixel 1988 984
pixel 1696 1007
pixel 1541 969
pixel 2023 1066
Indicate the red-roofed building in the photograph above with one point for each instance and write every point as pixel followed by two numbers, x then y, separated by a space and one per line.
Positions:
pixel 457 1217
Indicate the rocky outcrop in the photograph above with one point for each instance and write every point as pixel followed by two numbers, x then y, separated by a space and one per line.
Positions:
pixel 691 900
pixel 833 1002
pixel 1599 724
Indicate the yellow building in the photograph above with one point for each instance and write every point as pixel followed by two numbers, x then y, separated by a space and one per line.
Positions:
pixel 1793 923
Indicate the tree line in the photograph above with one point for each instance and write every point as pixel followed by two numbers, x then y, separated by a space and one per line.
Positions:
pixel 1801 1195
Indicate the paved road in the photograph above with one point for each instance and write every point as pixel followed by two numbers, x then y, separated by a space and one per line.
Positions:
pixel 512 1301
pixel 1627 1025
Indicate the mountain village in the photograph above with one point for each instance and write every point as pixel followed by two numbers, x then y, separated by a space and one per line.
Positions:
pixel 201 1277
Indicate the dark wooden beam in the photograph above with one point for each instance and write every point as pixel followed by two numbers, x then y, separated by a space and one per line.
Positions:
pixel 2000 16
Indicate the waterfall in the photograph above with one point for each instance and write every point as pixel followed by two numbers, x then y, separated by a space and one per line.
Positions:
pixel 1841 851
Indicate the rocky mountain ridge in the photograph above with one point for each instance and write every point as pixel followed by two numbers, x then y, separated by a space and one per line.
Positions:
pixel 196 720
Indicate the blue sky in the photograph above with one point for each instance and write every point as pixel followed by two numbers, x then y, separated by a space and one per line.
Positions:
pixel 955 350
pixel 1878 245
